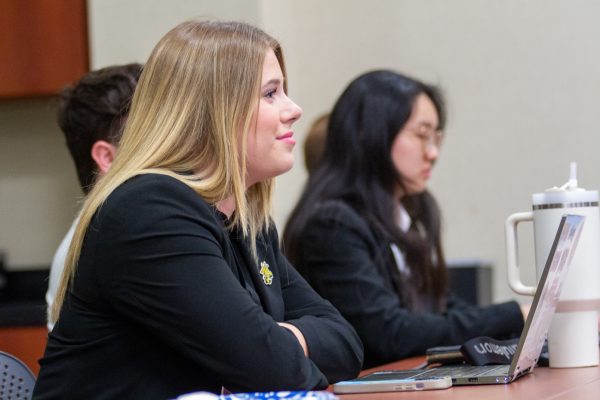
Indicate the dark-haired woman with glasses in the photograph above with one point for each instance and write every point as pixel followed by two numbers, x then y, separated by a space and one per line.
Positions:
pixel 366 232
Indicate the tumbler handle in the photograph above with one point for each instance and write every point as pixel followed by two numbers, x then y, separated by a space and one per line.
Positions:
pixel 512 256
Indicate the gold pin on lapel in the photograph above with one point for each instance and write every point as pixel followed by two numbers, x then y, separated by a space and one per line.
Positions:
pixel 266 273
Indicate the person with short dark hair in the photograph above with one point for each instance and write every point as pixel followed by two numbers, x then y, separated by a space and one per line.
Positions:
pixel 91 114
pixel 366 231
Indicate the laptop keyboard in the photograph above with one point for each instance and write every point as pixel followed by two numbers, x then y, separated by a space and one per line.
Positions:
pixel 460 371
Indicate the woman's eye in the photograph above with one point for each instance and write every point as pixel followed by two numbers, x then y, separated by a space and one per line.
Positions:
pixel 270 93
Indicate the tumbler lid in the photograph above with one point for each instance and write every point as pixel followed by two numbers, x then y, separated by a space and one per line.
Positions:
pixel 567 194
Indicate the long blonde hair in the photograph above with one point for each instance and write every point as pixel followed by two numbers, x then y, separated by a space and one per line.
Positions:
pixel 197 91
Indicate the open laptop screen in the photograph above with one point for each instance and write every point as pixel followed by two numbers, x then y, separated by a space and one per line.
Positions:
pixel 547 293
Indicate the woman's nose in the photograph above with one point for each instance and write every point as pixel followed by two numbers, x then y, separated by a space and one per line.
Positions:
pixel 432 151
pixel 292 112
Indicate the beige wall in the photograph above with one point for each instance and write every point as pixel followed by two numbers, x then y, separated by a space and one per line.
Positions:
pixel 521 80
pixel 38 185
pixel 520 77
pixel 123 31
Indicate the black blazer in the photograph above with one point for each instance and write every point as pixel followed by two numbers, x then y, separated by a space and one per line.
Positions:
pixel 166 301
pixel 342 259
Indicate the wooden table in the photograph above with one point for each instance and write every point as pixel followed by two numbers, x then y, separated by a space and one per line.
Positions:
pixel 543 383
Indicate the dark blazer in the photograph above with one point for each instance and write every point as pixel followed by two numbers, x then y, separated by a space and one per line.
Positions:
pixel 342 259
pixel 166 301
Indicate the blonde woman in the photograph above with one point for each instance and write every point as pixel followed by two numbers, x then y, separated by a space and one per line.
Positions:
pixel 174 281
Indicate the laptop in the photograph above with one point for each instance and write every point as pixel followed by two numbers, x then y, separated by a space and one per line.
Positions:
pixel 531 340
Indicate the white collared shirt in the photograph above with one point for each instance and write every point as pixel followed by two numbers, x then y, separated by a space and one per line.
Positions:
pixel 404 221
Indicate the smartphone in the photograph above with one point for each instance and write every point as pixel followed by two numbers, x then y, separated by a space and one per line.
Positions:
pixel 391 381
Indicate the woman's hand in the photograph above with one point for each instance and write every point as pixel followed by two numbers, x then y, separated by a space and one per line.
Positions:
pixel 298 335
pixel 525 310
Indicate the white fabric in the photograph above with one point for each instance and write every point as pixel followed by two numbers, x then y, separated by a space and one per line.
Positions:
pixel 404 222
pixel 56 269
pixel 404 219
pixel 400 260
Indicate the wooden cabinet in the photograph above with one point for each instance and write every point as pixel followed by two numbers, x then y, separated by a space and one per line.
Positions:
pixel 43 46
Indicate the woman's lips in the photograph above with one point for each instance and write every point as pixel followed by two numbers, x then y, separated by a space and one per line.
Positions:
pixel 287 137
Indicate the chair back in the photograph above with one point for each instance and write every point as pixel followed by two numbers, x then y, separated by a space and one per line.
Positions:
pixel 16 379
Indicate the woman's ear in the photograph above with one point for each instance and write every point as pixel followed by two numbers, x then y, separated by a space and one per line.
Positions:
pixel 103 154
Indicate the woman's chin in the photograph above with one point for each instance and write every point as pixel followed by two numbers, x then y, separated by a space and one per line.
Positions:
pixel 415 190
pixel 285 166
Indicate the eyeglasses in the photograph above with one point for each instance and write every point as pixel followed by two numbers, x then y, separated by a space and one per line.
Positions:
pixel 428 136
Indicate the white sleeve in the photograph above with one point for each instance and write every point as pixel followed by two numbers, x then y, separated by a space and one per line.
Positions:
pixel 56 269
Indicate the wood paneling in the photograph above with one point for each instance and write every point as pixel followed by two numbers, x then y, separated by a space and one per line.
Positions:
pixel 43 46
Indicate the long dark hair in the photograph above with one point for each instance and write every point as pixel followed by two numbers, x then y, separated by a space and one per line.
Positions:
pixel 357 168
